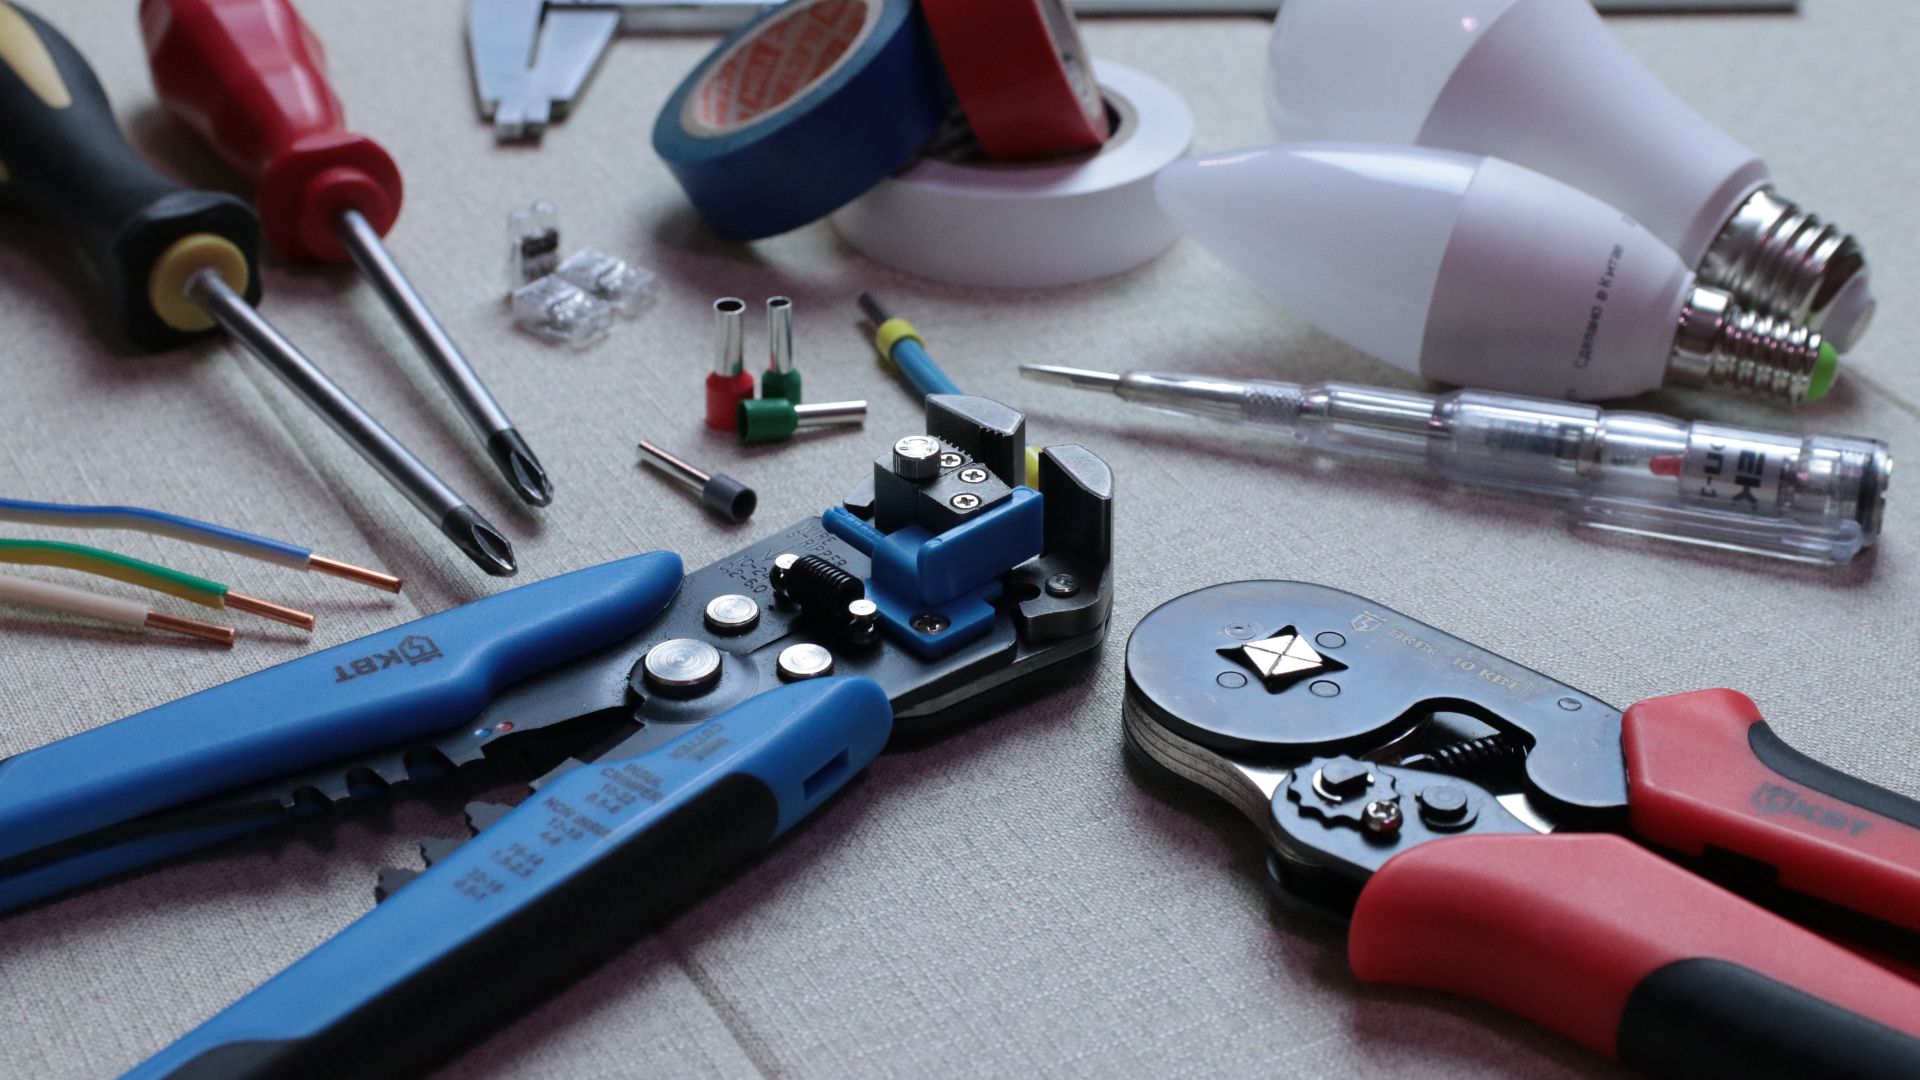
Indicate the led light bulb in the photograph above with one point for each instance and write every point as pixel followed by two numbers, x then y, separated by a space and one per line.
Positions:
pixel 1477 272
pixel 1543 84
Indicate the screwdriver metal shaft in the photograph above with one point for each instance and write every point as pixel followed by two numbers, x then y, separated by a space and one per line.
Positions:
pixel 504 444
pixel 461 523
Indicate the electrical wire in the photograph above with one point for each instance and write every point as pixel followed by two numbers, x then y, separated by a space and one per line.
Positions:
pixel 197 590
pixel 205 534
pixel 45 594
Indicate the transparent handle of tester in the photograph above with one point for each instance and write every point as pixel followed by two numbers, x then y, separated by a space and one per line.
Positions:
pixel 1809 499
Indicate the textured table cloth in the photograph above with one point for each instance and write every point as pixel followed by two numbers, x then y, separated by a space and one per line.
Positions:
pixel 1015 899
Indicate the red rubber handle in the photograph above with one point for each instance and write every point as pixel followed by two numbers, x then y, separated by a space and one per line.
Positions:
pixel 1704 770
pixel 1626 953
pixel 250 79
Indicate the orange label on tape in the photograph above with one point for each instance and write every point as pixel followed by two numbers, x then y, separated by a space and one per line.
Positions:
pixel 776 63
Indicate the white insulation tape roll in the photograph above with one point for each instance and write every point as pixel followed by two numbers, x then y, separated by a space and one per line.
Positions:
pixel 1037 223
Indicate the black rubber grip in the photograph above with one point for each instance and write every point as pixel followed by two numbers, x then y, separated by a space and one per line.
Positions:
pixel 1710 1018
pixel 478 989
pixel 67 162
pixel 1793 765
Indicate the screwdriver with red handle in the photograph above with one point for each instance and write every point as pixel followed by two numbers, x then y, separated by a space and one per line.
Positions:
pixel 249 78
pixel 174 263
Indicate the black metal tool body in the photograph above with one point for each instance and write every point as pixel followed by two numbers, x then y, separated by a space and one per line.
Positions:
pixel 1471 819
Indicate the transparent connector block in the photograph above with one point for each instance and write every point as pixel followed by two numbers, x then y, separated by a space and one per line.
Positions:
pixel 533 243
pixel 620 283
pixel 561 311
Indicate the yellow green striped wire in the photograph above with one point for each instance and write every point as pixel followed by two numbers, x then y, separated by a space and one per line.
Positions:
pixel 91 560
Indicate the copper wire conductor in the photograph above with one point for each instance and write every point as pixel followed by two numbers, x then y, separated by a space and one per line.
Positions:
pixel 353 573
pixel 266 610
pixel 205 631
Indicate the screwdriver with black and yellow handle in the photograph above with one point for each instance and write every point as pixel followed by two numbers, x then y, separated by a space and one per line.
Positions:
pixel 174 263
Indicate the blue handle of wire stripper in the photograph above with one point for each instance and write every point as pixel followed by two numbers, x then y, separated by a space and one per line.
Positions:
pixel 559 885
pixel 406 683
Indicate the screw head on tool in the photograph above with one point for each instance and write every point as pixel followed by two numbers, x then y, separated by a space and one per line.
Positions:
pixel 1444 804
pixel 805 661
pixel 950 460
pixel 777 573
pixel 1382 817
pixel 917 457
pixel 929 622
pixel 682 667
pixel 1063 586
pixel 732 614
pixel 863 622
pixel 966 500
pixel 1342 779
pixel 973 474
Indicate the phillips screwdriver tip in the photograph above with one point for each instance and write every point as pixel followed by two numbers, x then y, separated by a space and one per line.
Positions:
pixel 517 463
pixel 483 543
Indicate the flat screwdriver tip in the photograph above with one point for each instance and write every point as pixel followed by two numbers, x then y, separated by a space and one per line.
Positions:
pixel 484 544
pixel 522 470
pixel 1084 378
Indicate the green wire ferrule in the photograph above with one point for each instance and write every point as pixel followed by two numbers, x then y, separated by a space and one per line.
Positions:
pixel 781 384
pixel 765 420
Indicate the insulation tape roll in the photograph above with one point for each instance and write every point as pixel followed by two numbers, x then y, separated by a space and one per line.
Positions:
pixel 1037 224
pixel 1022 75
pixel 800 111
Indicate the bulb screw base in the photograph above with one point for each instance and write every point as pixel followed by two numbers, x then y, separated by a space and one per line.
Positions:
pixel 1723 345
pixel 1774 256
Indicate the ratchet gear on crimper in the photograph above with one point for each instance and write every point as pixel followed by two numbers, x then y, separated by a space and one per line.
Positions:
pixel 686 721
pixel 1454 806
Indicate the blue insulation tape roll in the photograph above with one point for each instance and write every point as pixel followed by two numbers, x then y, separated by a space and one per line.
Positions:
pixel 801 111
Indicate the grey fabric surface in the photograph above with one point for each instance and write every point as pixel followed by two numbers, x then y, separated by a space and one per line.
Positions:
pixel 1014 899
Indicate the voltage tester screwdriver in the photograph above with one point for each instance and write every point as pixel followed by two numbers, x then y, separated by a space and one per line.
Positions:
pixel 1814 499
pixel 173 262
pixel 249 78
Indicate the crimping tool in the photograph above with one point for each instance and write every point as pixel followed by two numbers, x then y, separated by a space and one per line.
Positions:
pixel 1447 801
pixel 688 722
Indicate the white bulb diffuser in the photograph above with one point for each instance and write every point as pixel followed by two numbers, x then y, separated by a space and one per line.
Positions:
pixel 1477 272
pixel 1542 83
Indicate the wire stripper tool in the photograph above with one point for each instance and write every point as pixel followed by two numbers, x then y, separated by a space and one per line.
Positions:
pixel 1456 807
pixel 686 722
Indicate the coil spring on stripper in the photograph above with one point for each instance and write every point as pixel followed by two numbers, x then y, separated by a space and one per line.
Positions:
pixel 1490 761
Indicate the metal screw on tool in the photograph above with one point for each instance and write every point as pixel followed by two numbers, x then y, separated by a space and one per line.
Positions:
pixel 722 494
pixel 950 459
pixel 805 661
pixel 1063 586
pixel 973 474
pixel 1342 779
pixel 1381 817
pixel 929 622
pixel 863 622
pixel 777 573
pixel 682 667
pixel 1444 804
pixel 917 457
pixel 732 614
pixel 966 500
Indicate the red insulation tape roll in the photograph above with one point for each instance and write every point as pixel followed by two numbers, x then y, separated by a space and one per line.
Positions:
pixel 1022 75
